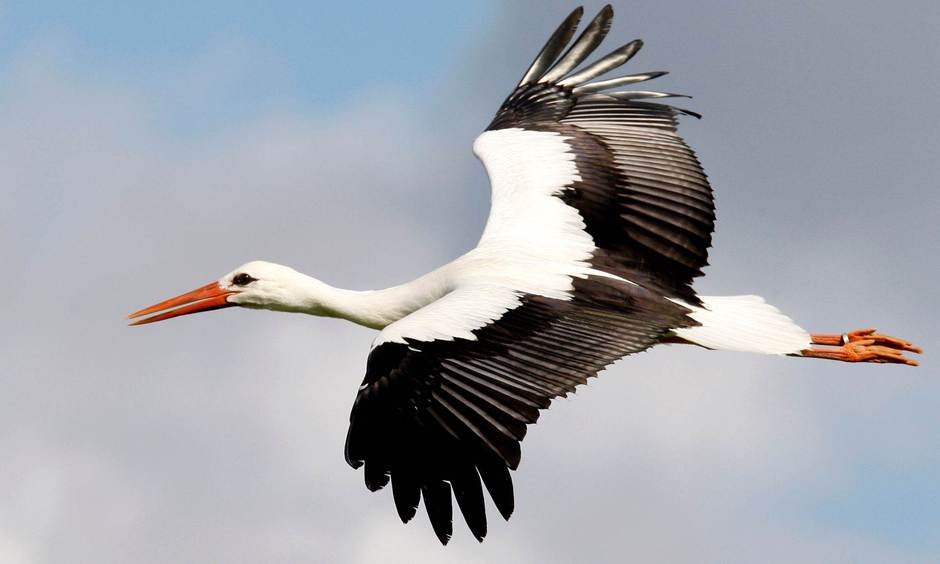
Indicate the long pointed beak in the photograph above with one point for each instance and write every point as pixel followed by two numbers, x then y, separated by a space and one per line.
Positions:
pixel 207 298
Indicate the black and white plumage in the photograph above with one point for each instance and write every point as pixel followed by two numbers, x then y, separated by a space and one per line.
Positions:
pixel 601 218
pixel 629 202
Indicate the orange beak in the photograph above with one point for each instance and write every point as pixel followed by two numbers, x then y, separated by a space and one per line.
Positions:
pixel 207 298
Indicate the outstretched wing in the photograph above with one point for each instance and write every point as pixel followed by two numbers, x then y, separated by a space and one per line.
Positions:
pixel 437 415
pixel 600 213
pixel 642 193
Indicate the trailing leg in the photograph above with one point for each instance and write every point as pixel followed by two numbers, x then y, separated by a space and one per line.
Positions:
pixel 863 345
pixel 748 323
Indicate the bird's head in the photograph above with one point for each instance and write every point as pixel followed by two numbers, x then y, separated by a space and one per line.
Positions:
pixel 257 284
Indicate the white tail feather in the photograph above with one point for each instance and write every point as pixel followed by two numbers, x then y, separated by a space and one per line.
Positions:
pixel 743 323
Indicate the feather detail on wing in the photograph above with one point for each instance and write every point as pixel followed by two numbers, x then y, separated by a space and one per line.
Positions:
pixel 601 217
pixel 436 414
pixel 643 195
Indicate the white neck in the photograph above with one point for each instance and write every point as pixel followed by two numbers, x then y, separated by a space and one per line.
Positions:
pixel 371 308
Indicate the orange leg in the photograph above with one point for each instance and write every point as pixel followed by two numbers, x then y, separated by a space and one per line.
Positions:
pixel 864 345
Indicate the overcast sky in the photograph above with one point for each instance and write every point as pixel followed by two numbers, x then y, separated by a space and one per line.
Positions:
pixel 145 151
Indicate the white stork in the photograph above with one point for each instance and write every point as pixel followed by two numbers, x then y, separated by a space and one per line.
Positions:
pixel 601 218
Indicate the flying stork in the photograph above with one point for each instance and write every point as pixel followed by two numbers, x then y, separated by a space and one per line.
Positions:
pixel 601 218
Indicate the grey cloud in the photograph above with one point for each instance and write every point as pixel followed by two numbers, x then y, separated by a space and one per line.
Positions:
pixel 220 438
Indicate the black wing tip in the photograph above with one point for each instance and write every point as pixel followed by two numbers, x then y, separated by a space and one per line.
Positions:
pixel 374 486
pixel 634 45
pixel 603 19
pixel 443 529
pixel 553 47
pixel 375 478
pixel 406 512
pixel 443 537
pixel 573 20
pixel 686 112
pixel 505 504
pixel 477 529
pixel 407 497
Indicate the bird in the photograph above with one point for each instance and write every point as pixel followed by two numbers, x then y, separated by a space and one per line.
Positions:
pixel 601 218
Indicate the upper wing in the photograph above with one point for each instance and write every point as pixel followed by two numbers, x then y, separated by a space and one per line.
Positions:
pixel 599 213
pixel 640 190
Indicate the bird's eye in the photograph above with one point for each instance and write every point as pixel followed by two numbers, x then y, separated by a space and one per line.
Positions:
pixel 242 279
